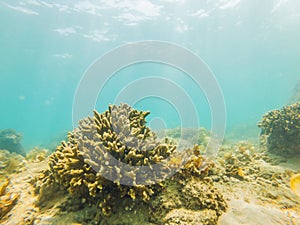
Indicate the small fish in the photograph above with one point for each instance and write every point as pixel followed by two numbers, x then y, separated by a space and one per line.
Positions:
pixel 295 184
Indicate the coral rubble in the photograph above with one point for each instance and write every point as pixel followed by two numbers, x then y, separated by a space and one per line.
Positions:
pixel 281 130
pixel 244 171
pixel 235 161
pixel 86 166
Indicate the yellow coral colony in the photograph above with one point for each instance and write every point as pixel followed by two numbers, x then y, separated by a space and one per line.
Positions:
pixel 7 200
pixel 295 184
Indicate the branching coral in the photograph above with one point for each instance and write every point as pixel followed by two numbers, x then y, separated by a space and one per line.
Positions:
pixel 282 129
pixel 114 160
pixel 119 134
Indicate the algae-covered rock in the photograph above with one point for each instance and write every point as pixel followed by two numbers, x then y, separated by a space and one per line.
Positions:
pixel 194 195
pixel 191 191
pixel 281 129
pixel 11 141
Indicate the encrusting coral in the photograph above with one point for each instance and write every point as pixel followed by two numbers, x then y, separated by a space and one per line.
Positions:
pixel 281 128
pixel 113 159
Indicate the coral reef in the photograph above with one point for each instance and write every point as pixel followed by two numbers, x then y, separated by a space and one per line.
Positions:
pixel 10 162
pixel 280 129
pixel 82 164
pixel 7 200
pixel 190 191
pixel 245 162
pixel 21 184
pixel 194 195
pixel 120 132
pixel 11 140
pixel 37 154
pixel 235 161
pixel 244 165
pixel 187 136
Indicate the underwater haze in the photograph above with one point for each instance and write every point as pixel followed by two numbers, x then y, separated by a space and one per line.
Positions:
pixel 251 46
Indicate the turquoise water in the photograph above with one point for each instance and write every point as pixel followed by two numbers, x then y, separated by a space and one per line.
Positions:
pixel 251 46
